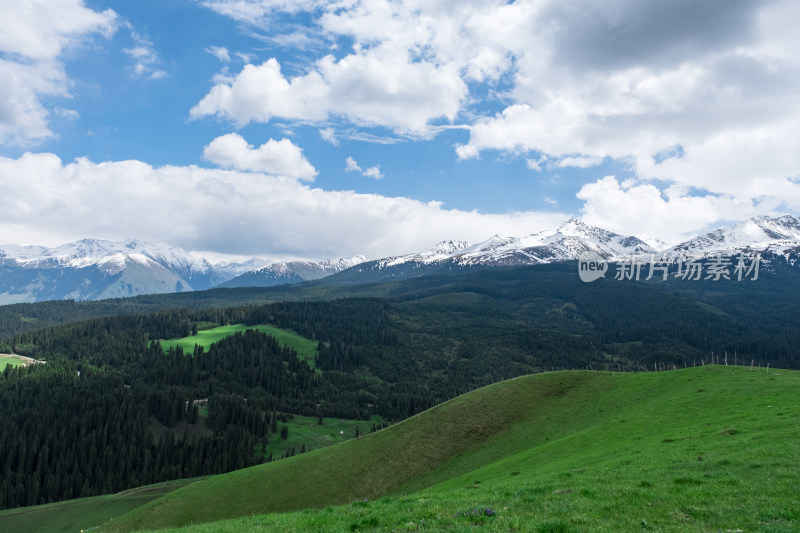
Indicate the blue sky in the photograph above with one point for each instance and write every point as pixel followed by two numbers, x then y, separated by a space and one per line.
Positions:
pixel 323 129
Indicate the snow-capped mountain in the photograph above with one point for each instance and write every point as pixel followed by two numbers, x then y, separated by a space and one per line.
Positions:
pixel 91 251
pixel 292 272
pixel 778 235
pixel 569 241
pixel 237 268
pixel 92 269
pixel 573 239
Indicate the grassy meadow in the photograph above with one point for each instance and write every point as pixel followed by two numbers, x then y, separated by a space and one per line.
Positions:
pixel 712 448
pixel 305 431
pixel 12 360
pixel 305 348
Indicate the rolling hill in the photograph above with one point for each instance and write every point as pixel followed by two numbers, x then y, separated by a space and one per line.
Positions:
pixel 702 449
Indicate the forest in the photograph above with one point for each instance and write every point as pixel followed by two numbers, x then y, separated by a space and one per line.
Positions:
pixel 84 422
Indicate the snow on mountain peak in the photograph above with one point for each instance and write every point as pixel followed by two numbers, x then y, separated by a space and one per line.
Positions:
pixel 448 247
pixel 573 226
pixel 342 263
pixel 147 267
pixel 576 228
pixel 87 252
pixel 762 234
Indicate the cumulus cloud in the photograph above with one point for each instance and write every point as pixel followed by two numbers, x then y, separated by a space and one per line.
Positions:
pixel 33 36
pixel 701 96
pixel 231 212
pixel 672 216
pixel 405 65
pixel 378 87
pixel 273 157
pixel 580 81
pixel 697 99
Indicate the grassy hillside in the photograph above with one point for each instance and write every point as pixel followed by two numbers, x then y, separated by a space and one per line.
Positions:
pixel 701 449
pixel 75 515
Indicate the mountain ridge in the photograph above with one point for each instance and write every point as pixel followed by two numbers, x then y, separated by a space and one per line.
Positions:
pixel 91 269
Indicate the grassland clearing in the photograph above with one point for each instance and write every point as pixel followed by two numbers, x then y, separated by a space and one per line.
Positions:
pixel 10 359
pixel 305 432
pixel 306 348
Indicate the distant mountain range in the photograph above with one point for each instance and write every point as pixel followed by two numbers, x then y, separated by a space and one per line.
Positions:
pixel 93 269
pixel 292 272
pixel 573 239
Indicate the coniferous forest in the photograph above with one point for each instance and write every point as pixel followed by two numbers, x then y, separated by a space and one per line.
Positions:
pixel 111 409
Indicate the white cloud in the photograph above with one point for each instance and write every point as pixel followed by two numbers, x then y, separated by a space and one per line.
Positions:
pixel 245 57
pixel 282 157
pixel 373 172
pixel 144 57
pixel 230 212
pixel 407 65
pixel 255 11
pixel 579 161
pixel 220 52
pixel 671 216
pixel 699 98
pixel 584 81
pixel 632 81
pixel 351 165
pixel 378 87
pixel 23 117
pixel 41 29
pixel 536 164
pixel 329 135
pixel 33 35
pixel 259 93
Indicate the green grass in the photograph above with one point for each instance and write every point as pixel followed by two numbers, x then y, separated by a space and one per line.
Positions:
pixel 306 431
pixel 74 515
pixel 305 348
pixel 710 448
pixel 702 449
pixel 10 360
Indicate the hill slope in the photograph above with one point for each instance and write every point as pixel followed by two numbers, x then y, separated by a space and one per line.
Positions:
pixel 703 448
